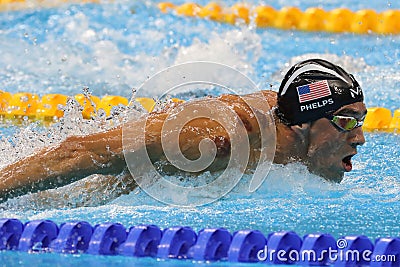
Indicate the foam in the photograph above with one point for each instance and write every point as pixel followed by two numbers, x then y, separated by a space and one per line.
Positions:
pixel 293 180
pixel 32 137
pixel 234 48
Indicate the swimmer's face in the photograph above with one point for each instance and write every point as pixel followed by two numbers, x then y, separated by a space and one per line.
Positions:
pixel 330 149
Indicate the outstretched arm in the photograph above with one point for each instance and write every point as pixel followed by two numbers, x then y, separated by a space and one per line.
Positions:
pixel 74 158
pixel 93 190
pixel 102 153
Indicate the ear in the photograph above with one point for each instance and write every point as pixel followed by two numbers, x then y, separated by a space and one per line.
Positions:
pixel 302 131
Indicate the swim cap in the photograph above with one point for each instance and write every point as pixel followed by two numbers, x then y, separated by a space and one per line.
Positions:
pixel 313 88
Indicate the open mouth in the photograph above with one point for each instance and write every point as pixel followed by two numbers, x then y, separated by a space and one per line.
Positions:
pixel 346 162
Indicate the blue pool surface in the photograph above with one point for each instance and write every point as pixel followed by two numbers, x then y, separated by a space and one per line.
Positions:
pixel 114 47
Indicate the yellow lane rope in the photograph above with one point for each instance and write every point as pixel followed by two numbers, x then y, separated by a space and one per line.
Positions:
pixel 7 5
pixel 14 106
pixel 338 20
pixel 47 108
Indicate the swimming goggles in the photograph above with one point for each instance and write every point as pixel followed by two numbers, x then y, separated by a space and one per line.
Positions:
pixel 345 123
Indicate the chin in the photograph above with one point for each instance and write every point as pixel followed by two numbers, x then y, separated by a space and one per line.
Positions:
pixel 335 176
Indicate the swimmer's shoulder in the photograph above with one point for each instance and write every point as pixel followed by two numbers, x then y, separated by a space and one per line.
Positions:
pixel 231 99
pixel 265 95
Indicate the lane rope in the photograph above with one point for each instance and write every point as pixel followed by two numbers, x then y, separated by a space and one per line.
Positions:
pixel 182 242
pixel 339 20
pixel 13 5
pixel 14 107
pixel 21 105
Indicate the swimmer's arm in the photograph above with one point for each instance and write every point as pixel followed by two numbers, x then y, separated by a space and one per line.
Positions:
pixel 196 130
pixel 102 153
pixel 90 191
pixel 78 157
pixel 73 159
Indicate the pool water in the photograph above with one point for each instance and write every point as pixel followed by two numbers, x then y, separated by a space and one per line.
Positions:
pixel 114 47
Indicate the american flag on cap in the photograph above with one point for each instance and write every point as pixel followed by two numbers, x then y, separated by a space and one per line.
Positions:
pixel 313 91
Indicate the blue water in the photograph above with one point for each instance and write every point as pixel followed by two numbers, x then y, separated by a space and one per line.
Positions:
pixel 114 47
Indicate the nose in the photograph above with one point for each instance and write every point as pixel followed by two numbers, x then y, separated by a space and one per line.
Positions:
pixel 357 138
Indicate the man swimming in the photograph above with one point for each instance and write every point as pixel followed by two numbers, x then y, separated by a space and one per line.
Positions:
pixel 318 112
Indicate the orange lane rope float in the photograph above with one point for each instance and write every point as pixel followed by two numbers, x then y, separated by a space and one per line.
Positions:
pixel 49 107
pixel 338 20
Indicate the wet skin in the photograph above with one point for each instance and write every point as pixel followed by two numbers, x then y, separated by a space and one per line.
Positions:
pixel 319 145
pixel 330 149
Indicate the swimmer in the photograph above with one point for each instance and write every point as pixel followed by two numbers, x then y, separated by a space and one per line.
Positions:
pixel 318 112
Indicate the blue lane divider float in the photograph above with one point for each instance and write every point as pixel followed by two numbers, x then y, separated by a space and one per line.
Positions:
pixel 74 237
pixel 176 242
pixel 37 235
pixel 106 239
pixel 361 243
pixel 320 245
pixel 10 233
pixel 245 246
pixel 286 246
pixel 211 244
pixel 142 241
pixel 387 246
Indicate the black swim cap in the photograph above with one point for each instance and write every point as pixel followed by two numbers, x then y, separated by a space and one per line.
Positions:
pixel 313 88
